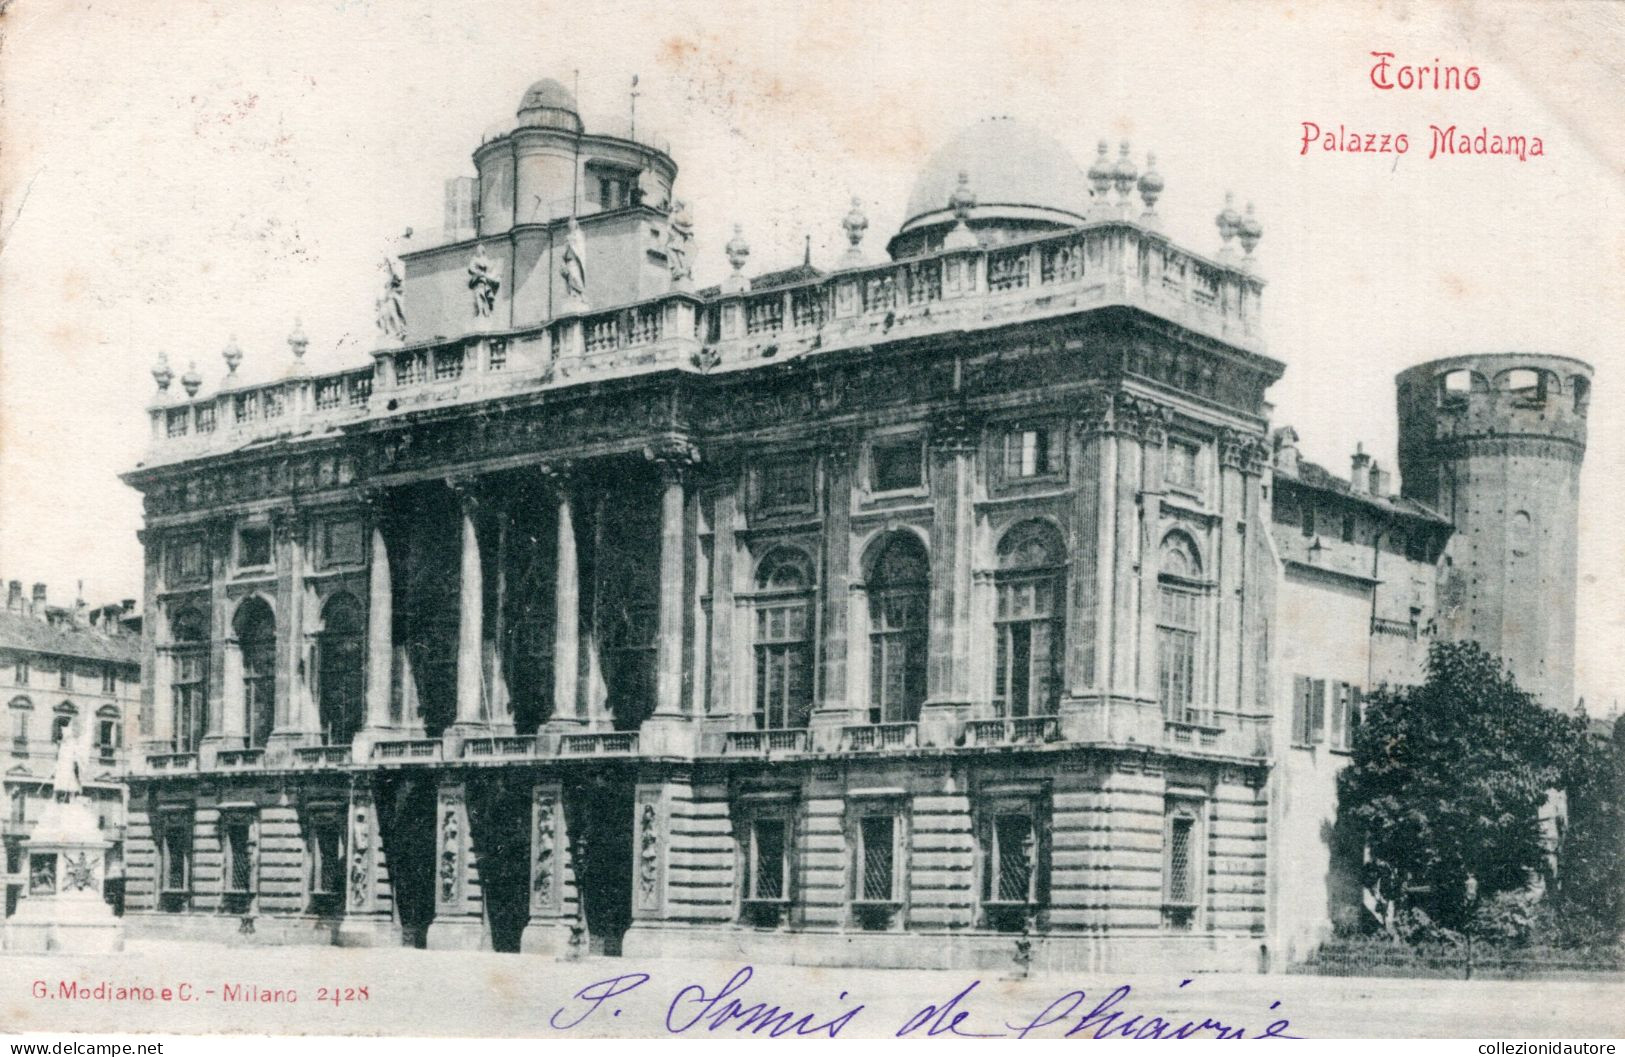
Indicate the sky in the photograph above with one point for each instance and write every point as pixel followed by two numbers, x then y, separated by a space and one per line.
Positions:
pixel 175 173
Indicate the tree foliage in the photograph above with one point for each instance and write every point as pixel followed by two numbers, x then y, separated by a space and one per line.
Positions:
pixel 1588 893
pixel 1446 784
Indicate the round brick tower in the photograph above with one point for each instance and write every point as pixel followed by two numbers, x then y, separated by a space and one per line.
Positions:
pixel 1494 443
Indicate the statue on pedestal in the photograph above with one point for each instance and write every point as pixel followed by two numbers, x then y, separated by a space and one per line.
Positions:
pixel 574 269
pixel 391 304
pixel 484 279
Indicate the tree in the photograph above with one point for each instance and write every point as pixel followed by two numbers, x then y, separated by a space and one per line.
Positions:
pixel 1446 784
pixel 1588 893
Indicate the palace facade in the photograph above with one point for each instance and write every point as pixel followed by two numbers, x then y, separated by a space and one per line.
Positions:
pixel 904 613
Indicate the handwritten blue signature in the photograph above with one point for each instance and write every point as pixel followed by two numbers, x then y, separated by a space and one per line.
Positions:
pixel 695 1009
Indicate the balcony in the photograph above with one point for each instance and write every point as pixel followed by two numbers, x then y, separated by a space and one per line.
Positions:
pixel 615 743
pixel 239 759
pixel 880 737
pixel 322 755
pixel 403 749
pixel 172 761
pixel 508 747
pixel 764 742
pixel 1022 730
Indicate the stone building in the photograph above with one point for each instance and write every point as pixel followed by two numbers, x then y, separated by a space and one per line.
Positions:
pixel 896 611
pixel 65 671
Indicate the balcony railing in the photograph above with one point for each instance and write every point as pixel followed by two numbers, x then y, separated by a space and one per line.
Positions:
pixel 764 742
pixel 877 737
pixel 508 746
pixel 1022 730
pixel 1100 264
pixel 616 743
pixel 1398 628
pixel 237 758
pixel 172 761
pixel 322 755
pixel 407 749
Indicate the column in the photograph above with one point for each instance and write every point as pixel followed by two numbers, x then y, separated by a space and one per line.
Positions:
pixel 954 438
pixel 669 698
pixel 218 542
pixel 288 713
pixel 470 613
pixel 566 609
pixel 723 544
pixel 1153 441
pixel 837 579
pixel 156 718
pixel 1085 706
pixel 380 627
pixel 668 730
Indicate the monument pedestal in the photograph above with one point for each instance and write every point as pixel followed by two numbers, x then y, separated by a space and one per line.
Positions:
pixel 65 911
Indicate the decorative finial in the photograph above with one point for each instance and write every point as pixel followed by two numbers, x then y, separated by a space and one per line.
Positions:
pixel 1227 220
pixel 1150 186
pixel 1250 231
pixel 738 251
pixel 297 340
pixel 1124 174
pixel 191 381
pixel 855 224
pixel 161 372
pixel 233 355
pixel 1100 173
pixel 962 201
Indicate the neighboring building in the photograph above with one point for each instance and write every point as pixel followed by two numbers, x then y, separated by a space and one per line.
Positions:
pixel 66 669
pixel 901 610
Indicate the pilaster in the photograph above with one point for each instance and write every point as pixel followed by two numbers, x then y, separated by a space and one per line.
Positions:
pixel 549 928
pixel 368 915
pixel 457 921
pixel 953 442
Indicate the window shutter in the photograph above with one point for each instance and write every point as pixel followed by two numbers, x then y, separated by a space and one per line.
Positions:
pixel 1317 711
pixel 1300 710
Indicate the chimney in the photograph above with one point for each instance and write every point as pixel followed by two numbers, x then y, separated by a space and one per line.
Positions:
pixel 39 601
pixel 1379 481
pixel 1359 472
pixel 14 597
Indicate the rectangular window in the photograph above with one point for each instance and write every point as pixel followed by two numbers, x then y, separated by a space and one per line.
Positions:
pixel 19 728
pixel 20 672
pixel 1345 715
pixel 109 680
pixel 64 676
pixel 1177 622
pixel 1026 649
pixel 785 484
pixel 175 854
pixel 187 690
pixel 876 866
pixel 107 736
pixel 325 855
pixel 237 853
pixel 1308 518
pixel 254 547
pixel 188 561
pixel 1348 528
pixel 1032 453
pixel 767 859
pixel 783 666
pixel 1182 883
pixel 1180 466
pixel 896 465
pixel 1012 835
pixel 1308 710
pixel 342 542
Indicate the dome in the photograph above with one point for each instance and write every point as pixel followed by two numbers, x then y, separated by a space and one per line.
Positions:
pixel 1013 170
pixel 548 94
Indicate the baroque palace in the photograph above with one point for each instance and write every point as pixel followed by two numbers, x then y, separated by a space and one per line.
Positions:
pixel 885 615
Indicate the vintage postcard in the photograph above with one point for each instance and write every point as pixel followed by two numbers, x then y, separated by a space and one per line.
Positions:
pixel 816 519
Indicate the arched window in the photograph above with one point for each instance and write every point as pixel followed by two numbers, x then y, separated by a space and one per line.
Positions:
pixel 255 629
pixel 898 628
pixel 339 672
pixel 1179 630
pixel 1028 625
pixel 189 678
pixel 21 709
pixel 784 640
pixel 1520 533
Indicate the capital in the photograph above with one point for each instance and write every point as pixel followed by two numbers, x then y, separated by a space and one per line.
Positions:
pixel 956 430
pixel 468 488
pixel 1243 451
pixel 673 457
